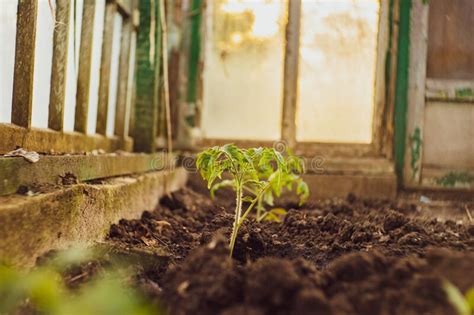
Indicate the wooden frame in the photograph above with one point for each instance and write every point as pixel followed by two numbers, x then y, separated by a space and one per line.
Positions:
pixel 421 91
pixel 449 90
pixel 381 145
pixel 416 92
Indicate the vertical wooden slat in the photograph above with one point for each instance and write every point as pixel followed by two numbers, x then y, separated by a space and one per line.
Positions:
pixel 380 76
pixel 147 80
pixel 290 85
pixel 59 66
pixel 85 60
pixel 135 23
pixel 105 67
pixel 416 92
pixel 388 140
pixel 123 74
pixel 24 63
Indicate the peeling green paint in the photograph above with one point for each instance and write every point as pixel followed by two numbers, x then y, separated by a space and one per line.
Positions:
pixel 416 141
pixel 464 93
pixel 401 92
pixel 455 179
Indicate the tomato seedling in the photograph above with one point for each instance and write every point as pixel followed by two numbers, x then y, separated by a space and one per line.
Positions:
pixel 256 175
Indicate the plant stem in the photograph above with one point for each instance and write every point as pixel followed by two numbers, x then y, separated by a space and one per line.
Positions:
pixel 242 219
pixel 238 212
pixel 259 209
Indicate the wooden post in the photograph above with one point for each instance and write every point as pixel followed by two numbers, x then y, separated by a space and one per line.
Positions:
pixel 147 79
pixel 85 60
pixel 290 76
pixel 105 66
pixel 59 66
pixel 124 66
pixel 416 92
pixel 24 63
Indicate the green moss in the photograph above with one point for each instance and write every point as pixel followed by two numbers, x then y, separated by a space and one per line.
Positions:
pixel 453 179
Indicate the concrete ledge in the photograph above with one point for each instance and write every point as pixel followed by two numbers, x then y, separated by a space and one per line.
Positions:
pixel 80 214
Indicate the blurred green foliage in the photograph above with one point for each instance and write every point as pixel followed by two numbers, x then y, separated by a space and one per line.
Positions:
pixel 44 291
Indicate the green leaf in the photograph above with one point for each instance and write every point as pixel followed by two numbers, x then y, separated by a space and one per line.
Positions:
pixel 456 299
pixel 470 298
pixel 268 197
pixel 302 190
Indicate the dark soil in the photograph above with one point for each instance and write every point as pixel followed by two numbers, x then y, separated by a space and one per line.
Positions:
pixel 335 257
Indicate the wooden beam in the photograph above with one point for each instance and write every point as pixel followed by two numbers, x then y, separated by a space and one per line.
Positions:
pixel 105 67
pixel 24 63
pixel 122 90
pixel 85 62
pixel 290 74
pixel 66 169
pixel 416 93
pixel 46 141
pixel 59 66
pixel 148 77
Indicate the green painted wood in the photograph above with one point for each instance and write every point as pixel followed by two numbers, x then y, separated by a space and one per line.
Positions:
pixel 147 77
pixel 401 94
pixel 194 53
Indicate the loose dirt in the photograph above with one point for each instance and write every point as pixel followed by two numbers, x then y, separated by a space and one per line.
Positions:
pixel 334 257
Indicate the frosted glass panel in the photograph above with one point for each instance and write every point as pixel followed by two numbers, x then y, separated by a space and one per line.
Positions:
pixel 43 63
pixel 337 70
pixel 7 57
pixel 243 75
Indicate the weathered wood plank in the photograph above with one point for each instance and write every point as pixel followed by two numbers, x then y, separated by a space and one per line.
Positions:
pixel 24 63
pixel 105 67
pixel 58 170
pixel 450 90
pixel 147 79
pixel 85 61
pixel 77 215
pixel 290 76
pixel 59 66
pixel 416 93
pixel 122 91
pixel 45 141
pixel 380 101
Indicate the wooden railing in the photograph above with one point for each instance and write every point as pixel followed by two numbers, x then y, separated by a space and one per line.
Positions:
pixel 21 133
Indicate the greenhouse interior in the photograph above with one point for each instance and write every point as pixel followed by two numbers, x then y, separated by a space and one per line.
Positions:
pixel 251 157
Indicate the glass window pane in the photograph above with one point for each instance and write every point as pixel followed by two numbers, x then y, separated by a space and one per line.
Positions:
pixel 338 53
pixel 243 76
